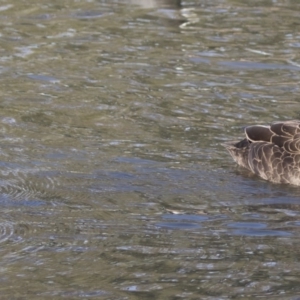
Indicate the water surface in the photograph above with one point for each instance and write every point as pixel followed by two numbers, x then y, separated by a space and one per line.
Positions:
pixel 113 180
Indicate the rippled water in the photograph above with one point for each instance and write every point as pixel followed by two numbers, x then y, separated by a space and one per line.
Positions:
pixel 113 180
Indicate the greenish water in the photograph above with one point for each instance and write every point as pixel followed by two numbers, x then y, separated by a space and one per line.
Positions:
pixel 113 180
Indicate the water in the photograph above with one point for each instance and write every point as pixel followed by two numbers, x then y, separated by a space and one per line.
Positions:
pixel 113 180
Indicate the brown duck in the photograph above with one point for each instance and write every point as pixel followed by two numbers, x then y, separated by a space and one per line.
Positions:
pixel 272 152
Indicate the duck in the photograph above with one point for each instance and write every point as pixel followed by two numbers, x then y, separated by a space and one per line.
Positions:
pixel 271 152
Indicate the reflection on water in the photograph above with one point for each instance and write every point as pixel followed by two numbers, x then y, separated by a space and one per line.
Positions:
pixel 113 180
pixel 156 3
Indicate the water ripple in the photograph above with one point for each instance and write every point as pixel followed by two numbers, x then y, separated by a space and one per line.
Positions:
pixel 7 231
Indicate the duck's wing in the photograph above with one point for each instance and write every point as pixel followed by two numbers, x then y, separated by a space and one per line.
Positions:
pixel 274 152
pixel 285 135
pixel 290 130
pixel 240 150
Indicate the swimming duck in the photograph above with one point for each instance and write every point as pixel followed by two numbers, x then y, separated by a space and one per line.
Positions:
pixel 272 152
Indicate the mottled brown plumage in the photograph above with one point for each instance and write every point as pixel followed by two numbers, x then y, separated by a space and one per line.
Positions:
pixel 272 152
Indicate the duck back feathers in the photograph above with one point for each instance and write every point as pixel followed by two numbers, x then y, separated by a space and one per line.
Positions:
pixel 272 152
